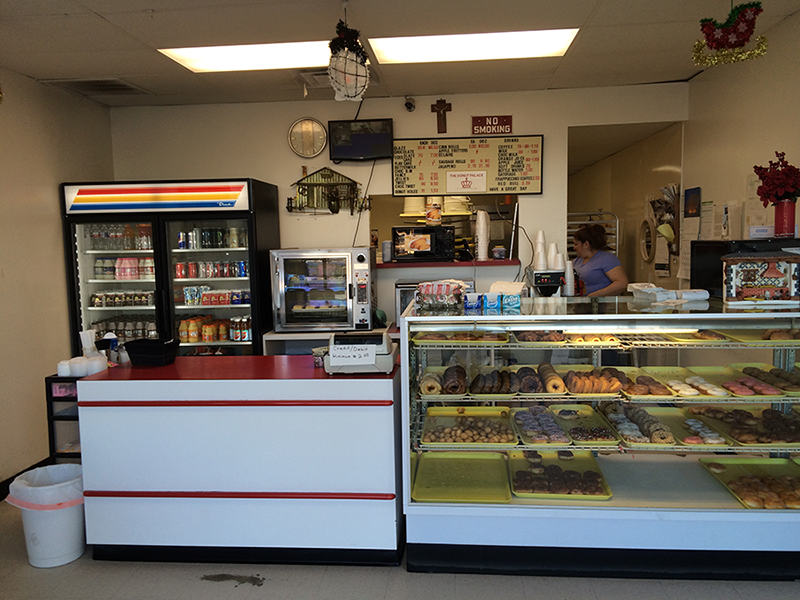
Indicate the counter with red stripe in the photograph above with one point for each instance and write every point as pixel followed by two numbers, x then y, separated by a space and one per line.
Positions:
pixel 264 451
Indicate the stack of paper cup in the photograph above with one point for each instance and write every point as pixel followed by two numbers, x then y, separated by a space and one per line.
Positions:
pixel 539 239
pixel 63 369
pixel 482 235
pixel 568 289
pixel 95 364
pixel 558 263
pixel 78 366
pixel 552 250
pixel 539 261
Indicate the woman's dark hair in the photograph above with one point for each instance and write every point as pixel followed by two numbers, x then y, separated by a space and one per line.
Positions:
pixel 594 234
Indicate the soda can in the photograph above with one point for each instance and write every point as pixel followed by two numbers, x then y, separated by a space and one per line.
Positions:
pixel 201 269
pixel 215 272
pixel 180 270
pixel 245 296
pixel 192 240
pixel 191 269
pixel 205 241
pixel 224 269
pixel 236 297
pixel 182 240
pixel 241 268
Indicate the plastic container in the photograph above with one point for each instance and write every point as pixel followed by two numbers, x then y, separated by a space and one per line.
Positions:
pixel 51 499
pixel 152 353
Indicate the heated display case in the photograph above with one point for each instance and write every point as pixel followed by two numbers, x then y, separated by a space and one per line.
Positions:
pixel 549 478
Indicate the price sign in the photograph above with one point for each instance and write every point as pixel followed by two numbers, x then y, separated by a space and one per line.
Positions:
pixel 476 165
pixel 351 354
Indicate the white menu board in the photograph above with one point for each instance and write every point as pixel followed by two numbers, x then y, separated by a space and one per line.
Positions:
pixel 459 166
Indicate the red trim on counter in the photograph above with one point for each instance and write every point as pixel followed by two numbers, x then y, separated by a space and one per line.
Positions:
pixel 227 368
pixel 107 403
pixel 242 495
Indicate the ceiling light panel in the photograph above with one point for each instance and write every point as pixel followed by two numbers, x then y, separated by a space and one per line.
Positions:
pixel 472 46
pixel 252 57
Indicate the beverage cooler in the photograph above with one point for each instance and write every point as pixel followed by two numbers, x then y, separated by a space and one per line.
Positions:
pixel 329 289
pixel 165 260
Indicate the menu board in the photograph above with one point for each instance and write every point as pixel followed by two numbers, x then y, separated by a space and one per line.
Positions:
pixel 463 166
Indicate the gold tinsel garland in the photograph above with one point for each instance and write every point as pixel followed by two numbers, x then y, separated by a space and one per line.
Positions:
pixel 727 55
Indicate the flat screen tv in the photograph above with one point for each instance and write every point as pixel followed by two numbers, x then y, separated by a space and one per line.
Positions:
pixel 366 139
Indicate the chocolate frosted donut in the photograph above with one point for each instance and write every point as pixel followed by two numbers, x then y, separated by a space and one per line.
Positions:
pixel 530 384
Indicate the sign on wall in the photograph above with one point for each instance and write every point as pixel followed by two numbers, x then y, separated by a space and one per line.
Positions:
pixel 459 166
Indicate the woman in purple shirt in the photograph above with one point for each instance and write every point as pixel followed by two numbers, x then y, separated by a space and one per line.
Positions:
pixel 600 271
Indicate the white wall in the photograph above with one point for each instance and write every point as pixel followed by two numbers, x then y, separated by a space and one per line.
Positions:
pixel 741 114
pixel 249 140
pixel 47 137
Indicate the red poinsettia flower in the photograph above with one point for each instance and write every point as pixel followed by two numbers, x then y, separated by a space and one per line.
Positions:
pixel 779 180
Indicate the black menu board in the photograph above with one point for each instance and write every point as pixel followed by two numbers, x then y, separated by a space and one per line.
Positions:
pixel 467 166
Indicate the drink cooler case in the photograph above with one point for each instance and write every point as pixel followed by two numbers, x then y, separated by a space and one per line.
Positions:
pixel 162 204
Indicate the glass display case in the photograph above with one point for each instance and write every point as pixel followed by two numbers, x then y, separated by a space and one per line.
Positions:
pixel 613 435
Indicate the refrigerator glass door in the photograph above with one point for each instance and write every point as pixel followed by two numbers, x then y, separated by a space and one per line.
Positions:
pixel 116 278
pixel 210 283
pixel 315 291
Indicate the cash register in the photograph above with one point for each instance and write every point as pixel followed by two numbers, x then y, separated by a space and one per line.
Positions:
pixel 361 352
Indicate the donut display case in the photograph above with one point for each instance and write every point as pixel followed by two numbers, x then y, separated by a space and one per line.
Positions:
pixel 661 447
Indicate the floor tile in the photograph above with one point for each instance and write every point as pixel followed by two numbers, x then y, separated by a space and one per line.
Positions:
pixel 558 588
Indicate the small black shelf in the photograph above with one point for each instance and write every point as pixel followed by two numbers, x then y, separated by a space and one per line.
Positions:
pixel 60 390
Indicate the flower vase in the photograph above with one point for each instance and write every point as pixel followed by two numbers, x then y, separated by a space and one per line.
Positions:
pixel 784 217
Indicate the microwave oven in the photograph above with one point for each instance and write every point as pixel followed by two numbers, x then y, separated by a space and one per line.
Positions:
pixel 323 290
pixel 431 243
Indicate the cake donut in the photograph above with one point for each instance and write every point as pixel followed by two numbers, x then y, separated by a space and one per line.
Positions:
pixel 430 384
pixel 553 384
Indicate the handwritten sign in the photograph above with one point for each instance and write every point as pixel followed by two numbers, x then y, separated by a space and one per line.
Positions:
pixel 477 165
pixel 351 354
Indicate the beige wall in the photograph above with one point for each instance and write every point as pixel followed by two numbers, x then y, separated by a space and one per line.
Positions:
pixel 741 114
pixel 250 140
pixel 621 184
pixel 47 136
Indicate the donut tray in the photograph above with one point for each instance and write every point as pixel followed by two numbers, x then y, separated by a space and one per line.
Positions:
pixel 736 467
pixel 446 416
pixel 720 375
pixel 526 439
pixel 579 340
pixel 452 338
pixel 763 367
pixel 688 338
pixel 672 418
pixel 471 477
pixel 588 418
pixel 562 371
pixel 542 344
pixel 582 462
pixel 633 373
pixel 437 397
pixel 725 428
pixel 752 337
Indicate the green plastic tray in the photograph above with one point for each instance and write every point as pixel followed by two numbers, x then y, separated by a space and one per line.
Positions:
pixel 462 477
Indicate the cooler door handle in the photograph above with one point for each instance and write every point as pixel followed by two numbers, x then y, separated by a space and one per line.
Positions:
pixel 276 292
pixel 350 292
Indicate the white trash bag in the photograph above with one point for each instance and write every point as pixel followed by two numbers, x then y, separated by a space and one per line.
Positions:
pixel 51 499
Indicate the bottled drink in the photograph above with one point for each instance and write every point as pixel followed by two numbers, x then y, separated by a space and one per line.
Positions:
pixel 142 268
pixel 235 332
pixel 128 238
pixel 183 332
pixel 108 268
pixel 194 332
pixel 139 331
pixel 233 237
pixel 99 269
pixel 119 269
pixel 104 237
pixel 116 237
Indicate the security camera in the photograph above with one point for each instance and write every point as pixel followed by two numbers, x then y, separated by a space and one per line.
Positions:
pixel 410 104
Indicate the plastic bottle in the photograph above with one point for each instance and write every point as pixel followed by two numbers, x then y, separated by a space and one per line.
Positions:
pixel 183 332
pixel 223 331
pixel 152 332
pixel 139 330
pixel 235 331
pixel 128 237
pixel 108 268
pixel 194 332
pixel 103 237
pixel 99 269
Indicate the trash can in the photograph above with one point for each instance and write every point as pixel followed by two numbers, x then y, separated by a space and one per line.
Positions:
pixel 51 499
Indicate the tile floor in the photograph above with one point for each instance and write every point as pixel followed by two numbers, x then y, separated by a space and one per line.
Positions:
pixel 86 579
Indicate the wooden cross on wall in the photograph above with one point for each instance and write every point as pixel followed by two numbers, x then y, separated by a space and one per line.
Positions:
pixel 440 108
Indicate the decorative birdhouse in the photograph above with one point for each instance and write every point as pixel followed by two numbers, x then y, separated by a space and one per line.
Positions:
pixel 761 276
pixel 326 190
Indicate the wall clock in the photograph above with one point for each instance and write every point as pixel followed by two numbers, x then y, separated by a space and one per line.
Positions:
pixel 307 137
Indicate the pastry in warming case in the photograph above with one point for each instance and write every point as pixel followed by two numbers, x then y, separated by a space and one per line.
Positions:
pixel 659 511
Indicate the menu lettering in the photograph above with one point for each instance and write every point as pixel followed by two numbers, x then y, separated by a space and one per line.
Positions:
pixel 476 165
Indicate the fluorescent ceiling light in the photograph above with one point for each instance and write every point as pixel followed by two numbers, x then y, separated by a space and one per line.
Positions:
pixel 252 57
pixel 472 46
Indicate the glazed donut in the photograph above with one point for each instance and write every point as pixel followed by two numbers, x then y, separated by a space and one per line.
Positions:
pixel 716 467
pixel 430 384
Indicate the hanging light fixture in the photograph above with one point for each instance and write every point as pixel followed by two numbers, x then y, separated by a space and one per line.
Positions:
pixel 347 69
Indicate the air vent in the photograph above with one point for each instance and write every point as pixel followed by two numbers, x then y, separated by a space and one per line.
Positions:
pixel 98 87
pixel 314 78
